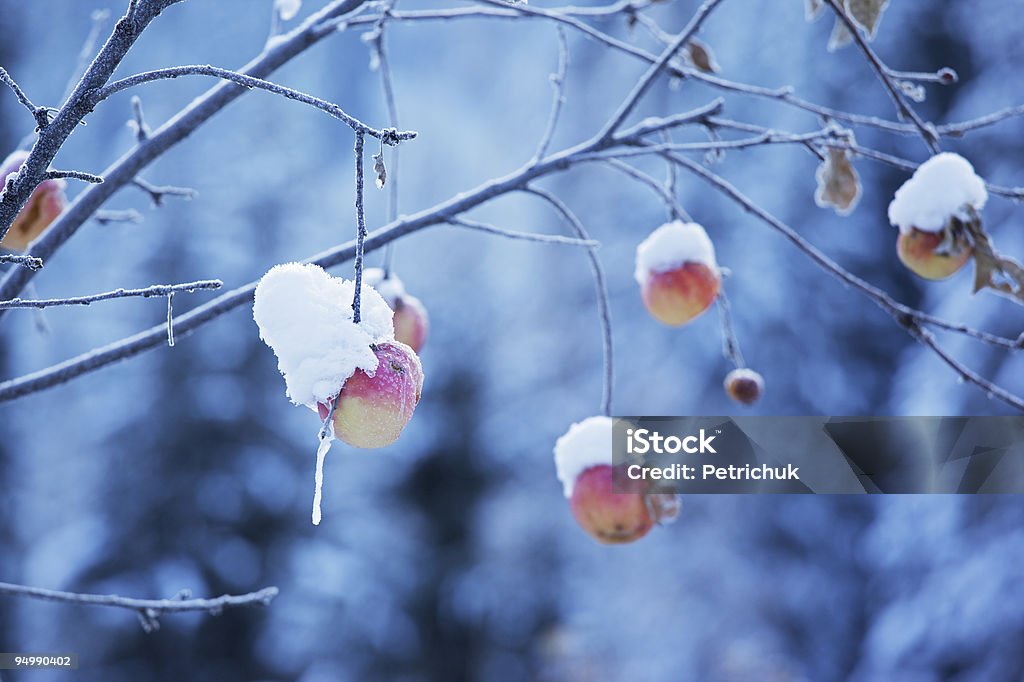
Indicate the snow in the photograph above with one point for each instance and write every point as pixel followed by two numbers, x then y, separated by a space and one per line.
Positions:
pixel 942 187
pixel 586 444
pixel 288 8
pixel 670 246
pixel 305 316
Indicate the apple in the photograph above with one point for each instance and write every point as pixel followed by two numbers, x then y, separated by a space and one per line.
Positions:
pixel 607 516
pixel 676 269
pixel 42 208
pixel 933 255
pixel 744 385
pixel 410 316
pixel 373 409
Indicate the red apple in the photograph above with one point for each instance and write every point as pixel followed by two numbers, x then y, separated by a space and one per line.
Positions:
pixel 373 410
pixel 46 203
pixel 679 295
pixel 607 516
pixel 410 316
pixel 744 385
pixel 920 251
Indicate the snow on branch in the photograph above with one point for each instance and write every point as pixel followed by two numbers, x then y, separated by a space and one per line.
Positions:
pixel 156 290
pixel 30 262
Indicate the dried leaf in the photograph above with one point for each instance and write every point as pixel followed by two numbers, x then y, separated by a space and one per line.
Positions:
pixel 700 55
pixel 380 170
pixel 867 13
pixel 838 184
pixel 992 270
pixel 813 9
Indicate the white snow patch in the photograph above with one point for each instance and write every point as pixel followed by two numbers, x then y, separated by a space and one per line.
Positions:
pixel 670 246
pixel 586 444
pixel 942 187
pixel 305 316
pixel 287 9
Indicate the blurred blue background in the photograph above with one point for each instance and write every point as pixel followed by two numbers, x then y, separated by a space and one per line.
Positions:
pixel 452 555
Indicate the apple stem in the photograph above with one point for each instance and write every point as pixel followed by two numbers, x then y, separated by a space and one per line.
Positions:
pixel 360 225
pixel 730 344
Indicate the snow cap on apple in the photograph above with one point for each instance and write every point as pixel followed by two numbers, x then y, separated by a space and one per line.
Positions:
pixel 677 272
pixel 305 315
pixel 583 461
pixel 410 316
pixel 42 208
pixel 929 210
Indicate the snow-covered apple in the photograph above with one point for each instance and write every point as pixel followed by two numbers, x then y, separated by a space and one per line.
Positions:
pixel 373 408
pixel 930 210
pixel 583 461
pixel 676 269
pixel 42 208
pixel 410 316
pixel 744 385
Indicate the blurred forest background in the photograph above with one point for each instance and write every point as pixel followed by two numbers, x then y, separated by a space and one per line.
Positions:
pixel 452 555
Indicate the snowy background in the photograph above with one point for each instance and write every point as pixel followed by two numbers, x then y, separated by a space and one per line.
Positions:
pixel 452 555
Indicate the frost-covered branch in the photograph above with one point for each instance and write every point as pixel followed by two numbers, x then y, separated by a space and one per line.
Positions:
pixel 148 610
pixel 157 193
pixel 74 175
pixel 386 134
pixel 40 114
pixel 523 236
pixel 29 262
pixel 905 316
pixel 167 290
pixel 600 287
pixel 558 98
pixel 125 170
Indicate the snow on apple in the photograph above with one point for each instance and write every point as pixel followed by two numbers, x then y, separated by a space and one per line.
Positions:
pixel 583 462
pixel 943 187
pixel 677 272
pixel 930 210
pixel 305 316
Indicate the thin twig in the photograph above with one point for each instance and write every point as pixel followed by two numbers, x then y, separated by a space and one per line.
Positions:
pixel 600 287
pixel 674 207
pixel 927 132
pixel 360 227
pixel 386 135
pixel 147 292
pixel 558 98
pixel 391 102
pixel 75 175
pixel 730 344
pixel 138 121
pixel 645 82
pixel 158 192
pixel 106 217
pixel 149 610
pixel 524 236
pixel 30 262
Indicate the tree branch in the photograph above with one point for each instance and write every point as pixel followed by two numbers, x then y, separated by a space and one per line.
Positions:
pixel 148 292
pixel 148 610
pixel 29 262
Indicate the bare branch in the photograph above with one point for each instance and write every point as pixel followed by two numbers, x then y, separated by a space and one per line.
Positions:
pixel 927 132
pixel 157 193
pixel 600 287
pixel 29 262
pixel 558 99
pixel 40 114
pixel 525 236
pixel 675 208
pixel 148 292
pixel 645 82
pixel 385 135
pixel 138 121
pixel 149 610
pixel 75 175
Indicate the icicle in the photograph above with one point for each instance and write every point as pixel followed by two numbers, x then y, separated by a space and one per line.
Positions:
pixel 321 453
